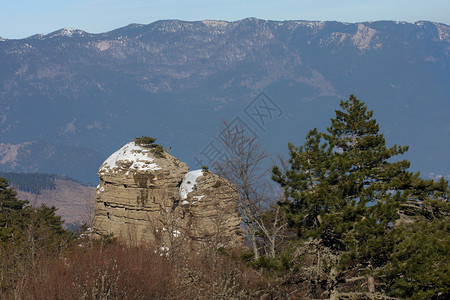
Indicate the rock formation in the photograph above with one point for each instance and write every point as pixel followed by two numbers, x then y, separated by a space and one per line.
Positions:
pixel 147 196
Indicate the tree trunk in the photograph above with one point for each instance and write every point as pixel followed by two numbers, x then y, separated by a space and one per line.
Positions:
pixel 371 284
pixel 255 246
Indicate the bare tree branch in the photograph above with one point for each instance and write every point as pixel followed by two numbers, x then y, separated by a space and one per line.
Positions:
pixel 243 167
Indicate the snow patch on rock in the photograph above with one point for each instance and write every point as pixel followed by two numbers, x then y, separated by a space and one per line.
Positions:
pixel 190 179
pixel 137 155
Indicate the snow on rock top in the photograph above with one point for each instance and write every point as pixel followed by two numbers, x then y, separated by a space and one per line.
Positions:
pixel 190 179
pixel 68 32
pixel 133 153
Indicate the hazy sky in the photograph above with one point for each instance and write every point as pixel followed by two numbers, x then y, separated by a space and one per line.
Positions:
pixel 22 18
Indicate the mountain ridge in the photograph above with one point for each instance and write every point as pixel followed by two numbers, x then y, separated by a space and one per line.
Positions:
pixel 211 21
pixel 98 91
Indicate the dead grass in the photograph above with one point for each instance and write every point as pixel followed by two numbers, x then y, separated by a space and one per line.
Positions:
pixel 117 271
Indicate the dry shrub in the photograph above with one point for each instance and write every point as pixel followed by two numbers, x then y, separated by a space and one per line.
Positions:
pixel 209 274
pixel 117 271
pixel 101 272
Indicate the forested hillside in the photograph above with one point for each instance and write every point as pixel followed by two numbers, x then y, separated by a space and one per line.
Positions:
pixel 34 183
pixel 68 98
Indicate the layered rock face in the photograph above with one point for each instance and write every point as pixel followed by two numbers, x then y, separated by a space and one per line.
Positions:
pixel 149 197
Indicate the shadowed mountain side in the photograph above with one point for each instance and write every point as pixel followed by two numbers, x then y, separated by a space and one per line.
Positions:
pixel 175 80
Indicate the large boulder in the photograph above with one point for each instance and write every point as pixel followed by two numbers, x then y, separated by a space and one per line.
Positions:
pixel 146 196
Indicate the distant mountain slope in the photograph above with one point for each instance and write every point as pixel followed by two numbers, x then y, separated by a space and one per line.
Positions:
pixel 39 156
pixel 74 202
pixel 34 182
pixel 175 80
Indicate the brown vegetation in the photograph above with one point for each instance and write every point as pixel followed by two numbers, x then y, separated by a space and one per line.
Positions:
pixel 92 270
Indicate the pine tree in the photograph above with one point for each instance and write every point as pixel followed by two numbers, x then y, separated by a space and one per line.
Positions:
pixel 370 188
pixel 11 217
pixel 341 186
pixel 26 232
pixel 346 188
pixel 304 183
pixel 417 265
pixel 419 246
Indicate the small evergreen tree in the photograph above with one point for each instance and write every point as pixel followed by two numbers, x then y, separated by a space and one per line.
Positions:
pixel 340 183
pixel 149 142
pixel 11 216
pixel 25 233
pixel 16 216
pixel 145 141
pixel 344 188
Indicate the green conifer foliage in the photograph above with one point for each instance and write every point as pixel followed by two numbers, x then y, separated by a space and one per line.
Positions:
pixel 347 188
pixel 305 183
pixel 25 233
pixel 341 186
pixel 18 220
pixel 369 187
pixel 417 266
pixel 11 216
